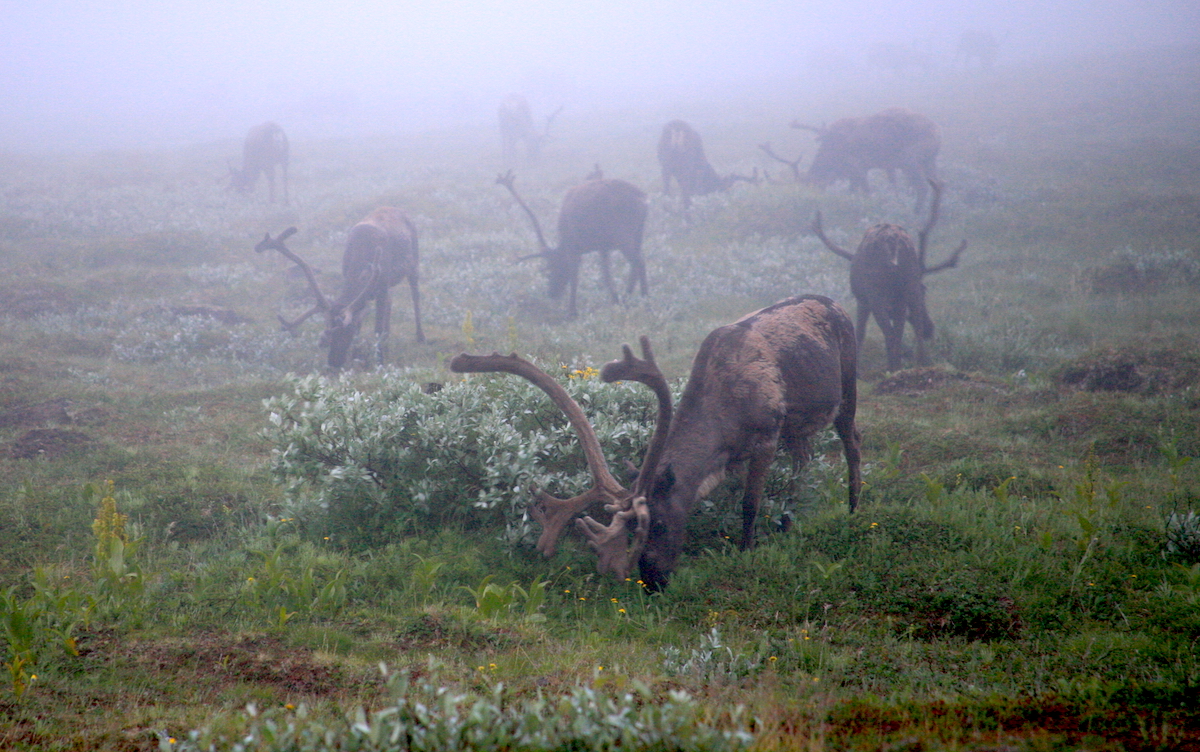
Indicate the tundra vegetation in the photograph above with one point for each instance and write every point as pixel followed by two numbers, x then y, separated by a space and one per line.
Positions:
pixel 208 545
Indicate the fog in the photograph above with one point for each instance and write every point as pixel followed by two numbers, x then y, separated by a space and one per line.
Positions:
pixel 151 74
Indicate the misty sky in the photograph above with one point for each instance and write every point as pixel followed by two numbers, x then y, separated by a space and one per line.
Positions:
pixel 83 75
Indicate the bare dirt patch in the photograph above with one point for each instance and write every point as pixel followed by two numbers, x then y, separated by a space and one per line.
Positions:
pixel 50 443
pixel 916 381
pixel 1137 369
pixel 220 660
pixel 40 413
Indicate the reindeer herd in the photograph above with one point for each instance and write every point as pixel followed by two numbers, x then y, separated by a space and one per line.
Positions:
pixel 768 381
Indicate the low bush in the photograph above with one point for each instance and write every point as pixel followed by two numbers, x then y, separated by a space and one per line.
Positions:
pixel 425 717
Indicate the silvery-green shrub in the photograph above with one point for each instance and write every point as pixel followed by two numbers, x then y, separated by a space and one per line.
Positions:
pixel 364 467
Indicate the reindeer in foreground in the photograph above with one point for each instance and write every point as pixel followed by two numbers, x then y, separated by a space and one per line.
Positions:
pixel 894 139
pixel 774 377
pixel 681 156
pixel 886 280
pixel 516 127
pixel 266 145
pixel 380 251
pixel 599 216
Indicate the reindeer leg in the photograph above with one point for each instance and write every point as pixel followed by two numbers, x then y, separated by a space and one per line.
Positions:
pixel 637 271
pixel 572 310
pixel 860 326
pixel 919 187
pixel 383 325
pixel 922 356
pixel 756 479
pixel 606 276
pixel 892 335
pixel 795 442
pixel 416 301
pixel 270 184
pixel 851 447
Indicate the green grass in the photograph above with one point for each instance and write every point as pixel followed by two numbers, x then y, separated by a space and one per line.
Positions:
pixel 1007 582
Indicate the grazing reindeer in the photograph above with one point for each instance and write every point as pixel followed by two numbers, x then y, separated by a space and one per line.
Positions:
pixel 681 156
pixel 380 251
pixel 600 215
pixel 266 145
pixel 516 127
pixel 894 139
pixel 885 279
pixel 774 377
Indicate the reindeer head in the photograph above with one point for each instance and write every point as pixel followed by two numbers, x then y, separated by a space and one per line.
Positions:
pixel 836 159
pixel 621 543
pixel 341 327
pixel 342 317
pixel 241 180
pixel 666 535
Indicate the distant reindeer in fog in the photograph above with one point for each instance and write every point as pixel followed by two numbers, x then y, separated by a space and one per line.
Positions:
pixel 381 251
pixel 266 145
pixel 681 156
pixel 516 128
pixel 894 139
pixel 886 280
pixel 976 45
pixel 598 216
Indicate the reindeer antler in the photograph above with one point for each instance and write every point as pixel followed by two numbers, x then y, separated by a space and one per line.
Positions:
pixel 644 370
pixel 802 126
pixel 614 551
pixel 611 543
pixel 614 548
pixel 820 233
pixel 923 236
pixel 507 180
pixel 554 513
pixel 794 165
pixel 277 244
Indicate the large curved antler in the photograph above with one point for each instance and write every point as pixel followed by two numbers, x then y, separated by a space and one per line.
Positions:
pixel 554 513
pixel 923 235
pixel 507 180
pixel 645 371
pixel 277 244
pixel 611 543
pixel 820 233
